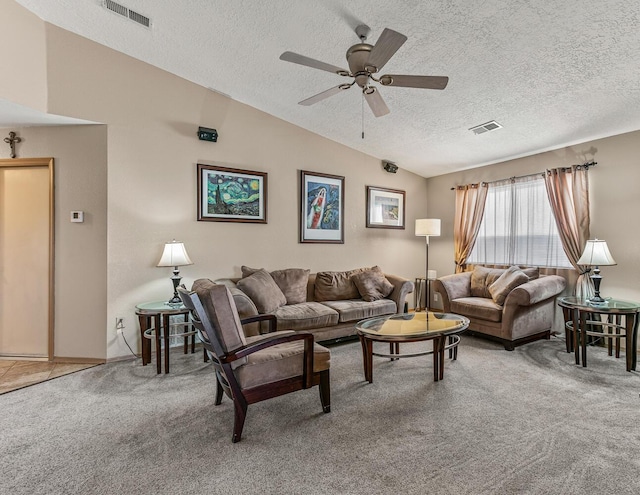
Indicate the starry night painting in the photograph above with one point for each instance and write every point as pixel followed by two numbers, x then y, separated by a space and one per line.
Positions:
pixel 231 195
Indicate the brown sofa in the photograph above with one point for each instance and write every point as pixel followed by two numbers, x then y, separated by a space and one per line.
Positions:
pixel 512 308
pixel 326 304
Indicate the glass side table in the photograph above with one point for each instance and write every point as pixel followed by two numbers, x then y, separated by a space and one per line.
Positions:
pixel 621 321
pixel 155 323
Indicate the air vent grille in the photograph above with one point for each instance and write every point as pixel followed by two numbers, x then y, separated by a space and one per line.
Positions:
pixel 128 13
pixel 486 127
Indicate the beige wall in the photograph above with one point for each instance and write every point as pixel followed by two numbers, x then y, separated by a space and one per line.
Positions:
pixel 80 176
pixel 25 61
pixel 613 186
pixel 152 149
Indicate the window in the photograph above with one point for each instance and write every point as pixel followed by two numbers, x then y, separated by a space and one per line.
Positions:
pixel 518 227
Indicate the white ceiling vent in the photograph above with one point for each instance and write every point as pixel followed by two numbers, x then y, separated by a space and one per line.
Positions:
pixel 128 13
pixel 486 127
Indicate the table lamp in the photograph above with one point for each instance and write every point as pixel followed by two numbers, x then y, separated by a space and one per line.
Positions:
pixel 175 255
pixel 596 253
pixel 427 227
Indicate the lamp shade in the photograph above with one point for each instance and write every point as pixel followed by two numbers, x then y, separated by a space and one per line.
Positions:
pixel 427 226
pixel 596 253
pixel 174 254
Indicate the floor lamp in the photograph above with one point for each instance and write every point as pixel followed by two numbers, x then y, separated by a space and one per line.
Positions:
pixel 426 227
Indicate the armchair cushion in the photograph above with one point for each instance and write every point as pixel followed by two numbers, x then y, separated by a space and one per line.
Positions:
pixel 212 295
pixel 482 278
pixel 263 291
pixel 372 284
pixel 279 363
pixel 477 307
pixel 509 280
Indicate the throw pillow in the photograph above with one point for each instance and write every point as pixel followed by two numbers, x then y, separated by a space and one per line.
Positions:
pixel 481 278
pixel 336 286
pixel 509 280
pixel 533 272
pixel 263 291
pixel 372 284
pixel 292 282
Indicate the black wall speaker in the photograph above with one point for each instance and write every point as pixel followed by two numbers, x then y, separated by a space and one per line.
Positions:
pixel 390 167
pixel 206 134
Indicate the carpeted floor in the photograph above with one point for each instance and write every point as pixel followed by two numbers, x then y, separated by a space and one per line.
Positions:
pixel 528 421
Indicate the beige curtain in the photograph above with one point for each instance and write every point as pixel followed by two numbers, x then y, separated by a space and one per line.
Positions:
pixel 470 201
pixel 568 191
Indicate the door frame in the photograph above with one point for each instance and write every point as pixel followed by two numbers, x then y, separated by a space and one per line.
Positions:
pixel 43 162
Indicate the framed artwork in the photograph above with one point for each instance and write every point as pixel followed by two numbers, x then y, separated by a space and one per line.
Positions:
pixel 321 208
pixel 231 195
pixel 385 208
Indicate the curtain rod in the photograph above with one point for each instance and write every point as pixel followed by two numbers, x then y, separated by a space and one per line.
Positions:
pixel 586 165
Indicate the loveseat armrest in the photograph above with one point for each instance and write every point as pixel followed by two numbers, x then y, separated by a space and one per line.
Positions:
pixel 453 287
pixel 401 288
pixel 535 291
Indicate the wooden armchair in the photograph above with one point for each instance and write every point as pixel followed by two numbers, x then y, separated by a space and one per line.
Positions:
pixel 252 369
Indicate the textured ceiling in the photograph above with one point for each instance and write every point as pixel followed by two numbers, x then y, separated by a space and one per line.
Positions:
pixel 553 73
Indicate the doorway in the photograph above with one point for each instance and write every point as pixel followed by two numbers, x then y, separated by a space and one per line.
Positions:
pixel 26 258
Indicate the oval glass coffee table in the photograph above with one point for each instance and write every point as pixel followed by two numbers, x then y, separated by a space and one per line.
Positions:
pixel 411 327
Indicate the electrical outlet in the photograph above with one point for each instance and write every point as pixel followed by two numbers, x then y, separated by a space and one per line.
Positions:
pixel 436 296
pixel 120 323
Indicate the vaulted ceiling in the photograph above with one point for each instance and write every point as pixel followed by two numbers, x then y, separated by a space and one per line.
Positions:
pixel 551 73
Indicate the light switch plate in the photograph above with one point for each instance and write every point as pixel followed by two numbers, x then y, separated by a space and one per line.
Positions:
pixel 77 216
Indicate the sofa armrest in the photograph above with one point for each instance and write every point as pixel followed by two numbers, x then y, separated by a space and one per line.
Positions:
pixel 453 287
pixel 535 291
pixel 401 288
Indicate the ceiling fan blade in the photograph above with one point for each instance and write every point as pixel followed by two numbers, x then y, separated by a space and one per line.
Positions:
pixel 389 43
pixel 424 82
pixel 321 96
pixel 313 63
pixel 376 103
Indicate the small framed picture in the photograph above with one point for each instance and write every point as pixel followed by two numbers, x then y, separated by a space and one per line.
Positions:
pixel 321 208
pixel 231 195
pixel 385 208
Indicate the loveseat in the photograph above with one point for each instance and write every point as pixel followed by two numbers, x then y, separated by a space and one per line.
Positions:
pixel 513 306
pixel 327 304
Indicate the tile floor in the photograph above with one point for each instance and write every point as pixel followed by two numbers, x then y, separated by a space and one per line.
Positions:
pixel 19 374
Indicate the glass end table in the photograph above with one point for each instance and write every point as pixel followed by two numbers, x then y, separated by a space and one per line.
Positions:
pixel 581 316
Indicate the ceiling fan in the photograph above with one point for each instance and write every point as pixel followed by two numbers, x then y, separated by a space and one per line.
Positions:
pixel 364 61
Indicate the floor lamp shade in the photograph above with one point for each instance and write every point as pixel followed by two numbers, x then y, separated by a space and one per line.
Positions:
pixel 426 227
pixel 175 255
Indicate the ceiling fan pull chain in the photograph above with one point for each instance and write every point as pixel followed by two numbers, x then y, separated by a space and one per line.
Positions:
pixel 362 110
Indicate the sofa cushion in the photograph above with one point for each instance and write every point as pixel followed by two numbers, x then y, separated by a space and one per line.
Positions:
pixel 509 280
pixel 372 284
pixel 481 308
pixel 481 278
pixel 354 310
pixel 531 272
pixel 279 362
pixel 305 316
pixel 292 282
pixel 263 291
pixel 336 286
